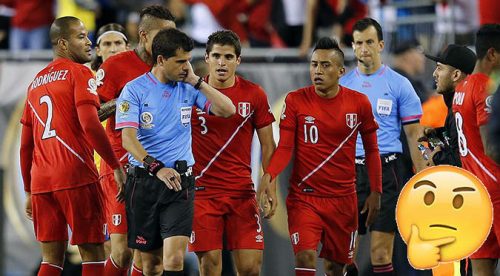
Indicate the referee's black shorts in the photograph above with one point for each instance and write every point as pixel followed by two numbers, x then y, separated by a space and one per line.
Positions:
pixel 391 187
pixel 155 212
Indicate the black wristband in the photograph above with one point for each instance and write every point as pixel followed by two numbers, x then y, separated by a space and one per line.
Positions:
pixel 198 84
pixel 152 165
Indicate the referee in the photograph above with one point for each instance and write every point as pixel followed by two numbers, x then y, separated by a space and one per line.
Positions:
pixel 154 114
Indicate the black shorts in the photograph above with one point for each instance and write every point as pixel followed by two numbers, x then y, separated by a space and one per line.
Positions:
pixel 155 212
pixel 391 187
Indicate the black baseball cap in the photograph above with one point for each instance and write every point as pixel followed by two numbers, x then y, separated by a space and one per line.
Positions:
pixel 458 56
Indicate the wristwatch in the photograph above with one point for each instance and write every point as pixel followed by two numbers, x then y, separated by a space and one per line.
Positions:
pixel 148 160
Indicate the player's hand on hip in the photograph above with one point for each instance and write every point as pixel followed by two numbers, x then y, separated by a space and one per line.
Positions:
pixel 120 178
pixel 424 254
pixel 28 208
pixel 171 178
pixel 372 205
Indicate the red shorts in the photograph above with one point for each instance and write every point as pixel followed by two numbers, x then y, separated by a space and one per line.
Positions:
pixel 81 208
pixel 490 248
pixel 116 218
pixel 237 218
pixel 331 220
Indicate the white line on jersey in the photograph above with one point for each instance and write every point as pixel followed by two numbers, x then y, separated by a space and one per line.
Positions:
pixel 57 137
pixel 482 166
pixel 331 155
pixel 224 146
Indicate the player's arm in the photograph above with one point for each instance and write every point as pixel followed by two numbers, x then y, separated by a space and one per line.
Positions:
pixel 374 166
pixel 26 158
pixel 266 193
pixel 155 167
pixel 106 110
pixel 221 105
pixel 89 120
pixel 413 131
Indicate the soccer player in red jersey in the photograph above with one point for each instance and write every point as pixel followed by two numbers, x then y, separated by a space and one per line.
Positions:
pixel 472 107
pixel 320 124
pixel 60 131
pixel 222 150
pixel 114 73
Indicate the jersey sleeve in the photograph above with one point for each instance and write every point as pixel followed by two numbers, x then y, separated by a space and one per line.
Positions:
pixel 482 104
pixel 107 82
pixel 368 122
pixel 200 100
pixel 127 108
pixel 410 109
pixel 26 118
pixel 84 86
pixel 263 114
pixel 288 114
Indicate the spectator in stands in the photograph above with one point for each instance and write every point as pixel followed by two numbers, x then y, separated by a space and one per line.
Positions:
pixel 30 24
pixel 344 14
pixel 85 10
pixel 288 19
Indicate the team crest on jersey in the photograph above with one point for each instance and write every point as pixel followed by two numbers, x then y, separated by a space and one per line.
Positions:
pixel 147 120
pixel 351 119
pixel 92 86
pixel 309 119
pixel 99 76
pixel 244 109
pixel 186 116
pixel 124 107
pixel 295 238
pixel 192 238
pixel 117 219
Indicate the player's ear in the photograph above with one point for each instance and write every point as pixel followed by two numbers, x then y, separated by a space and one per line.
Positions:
pixel 206 57
pixel 341 71
pixel 62 43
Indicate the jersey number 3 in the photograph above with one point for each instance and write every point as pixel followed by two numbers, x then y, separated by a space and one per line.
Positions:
pixel 47 132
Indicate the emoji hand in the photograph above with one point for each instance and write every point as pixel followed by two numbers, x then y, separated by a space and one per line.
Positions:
pixel 424 254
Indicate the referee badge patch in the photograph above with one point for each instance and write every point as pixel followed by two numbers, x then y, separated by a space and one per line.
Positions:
pixel 384 107
pixel 117 219
pixel 147 120
pixel 124 107
pixel 186 116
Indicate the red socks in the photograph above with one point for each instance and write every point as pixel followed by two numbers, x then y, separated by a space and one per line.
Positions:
pixel 47 269
pixel 93 268
pixel 135 271
pixel 300 271
pixel 111 269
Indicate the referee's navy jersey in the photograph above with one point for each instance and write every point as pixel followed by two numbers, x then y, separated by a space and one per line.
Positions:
pixel 161 113
pixel 394 102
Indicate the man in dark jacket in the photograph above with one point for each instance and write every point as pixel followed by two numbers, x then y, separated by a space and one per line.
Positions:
pixel 453 65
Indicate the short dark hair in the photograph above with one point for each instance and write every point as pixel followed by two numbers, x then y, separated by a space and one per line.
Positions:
pixel 97 61
pixel 488 36
pixel 60 28
pixel 225 37
pixel 364 23
pixel 154 12
pixel 327 43
pixel 168 41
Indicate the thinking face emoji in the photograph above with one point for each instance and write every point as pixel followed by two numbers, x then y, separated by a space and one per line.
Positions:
pixel 444 214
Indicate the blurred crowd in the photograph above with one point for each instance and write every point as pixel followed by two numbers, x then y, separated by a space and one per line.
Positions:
pixel 24 24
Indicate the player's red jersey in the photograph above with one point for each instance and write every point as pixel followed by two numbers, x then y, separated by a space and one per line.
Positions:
pixel 62 157
pixel 325 139
pixel 222 147
pixel 111 77
pixel 472 106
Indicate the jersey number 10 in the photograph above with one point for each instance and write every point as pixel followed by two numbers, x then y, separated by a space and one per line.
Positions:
pixel 311 134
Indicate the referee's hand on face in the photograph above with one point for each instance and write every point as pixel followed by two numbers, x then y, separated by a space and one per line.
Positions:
pixel 171 178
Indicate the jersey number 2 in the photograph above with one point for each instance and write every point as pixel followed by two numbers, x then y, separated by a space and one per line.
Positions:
pixel 47 132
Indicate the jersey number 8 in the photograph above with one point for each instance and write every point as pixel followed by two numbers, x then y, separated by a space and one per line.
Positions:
pixel 462 142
